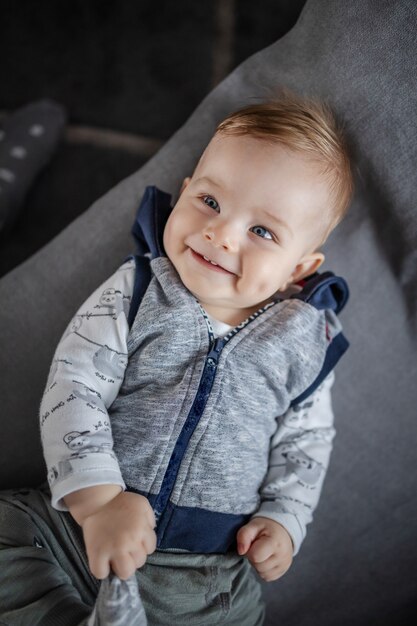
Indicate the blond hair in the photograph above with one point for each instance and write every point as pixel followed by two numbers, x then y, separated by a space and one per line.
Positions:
pixel 305 126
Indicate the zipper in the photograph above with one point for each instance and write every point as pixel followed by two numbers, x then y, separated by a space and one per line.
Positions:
pixel 193 417
pixel 214 354
pixel 190 424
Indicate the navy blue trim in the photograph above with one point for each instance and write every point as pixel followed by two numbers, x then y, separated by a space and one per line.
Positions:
pixel 150 220
pixel 196 529
pixel 200 530
pixel 324 291
pixel 336 349
pixel 180 448
pixel 143 277
pixel 147 231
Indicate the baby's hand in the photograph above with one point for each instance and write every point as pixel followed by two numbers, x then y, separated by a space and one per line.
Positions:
pixel 267 545
pixel 120 535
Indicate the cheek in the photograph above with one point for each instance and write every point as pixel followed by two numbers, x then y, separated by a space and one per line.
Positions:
pixel 168 239
pixel 177 225
pixel 256 286
pixel 265 275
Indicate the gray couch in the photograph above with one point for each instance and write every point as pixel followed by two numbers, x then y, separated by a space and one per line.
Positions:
pixel 358 563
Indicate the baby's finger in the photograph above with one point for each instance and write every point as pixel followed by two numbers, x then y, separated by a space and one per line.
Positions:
pixel 151 517
pixel 149 542
pixel 274 567
pixel 260 550
pixel 245 536
pixel 274 573
pixel 269 564
pixel 99 566
pixel 123 565
pixel 139 557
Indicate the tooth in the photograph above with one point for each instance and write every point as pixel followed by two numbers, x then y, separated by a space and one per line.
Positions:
pixel 212 262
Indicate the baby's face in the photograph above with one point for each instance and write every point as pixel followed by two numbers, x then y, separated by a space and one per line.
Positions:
pixel 246 224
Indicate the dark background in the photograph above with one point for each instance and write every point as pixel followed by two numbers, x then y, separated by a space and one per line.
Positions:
pixel 129 73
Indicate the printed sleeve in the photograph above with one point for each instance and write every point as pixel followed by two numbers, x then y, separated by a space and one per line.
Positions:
pixel 85 377
pixel 299 457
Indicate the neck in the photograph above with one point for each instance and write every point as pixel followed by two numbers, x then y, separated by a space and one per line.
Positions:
pixel 233 317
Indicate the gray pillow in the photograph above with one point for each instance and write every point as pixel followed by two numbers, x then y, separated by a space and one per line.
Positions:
pixel 357 564
pixel 28 138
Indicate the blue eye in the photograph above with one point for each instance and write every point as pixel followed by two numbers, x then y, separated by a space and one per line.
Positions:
pixel 211 202
pixel 261 232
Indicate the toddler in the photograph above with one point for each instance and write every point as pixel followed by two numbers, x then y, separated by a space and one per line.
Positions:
pixel 187 422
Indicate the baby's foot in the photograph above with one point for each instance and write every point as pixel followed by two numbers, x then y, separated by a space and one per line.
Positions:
pixel 118 604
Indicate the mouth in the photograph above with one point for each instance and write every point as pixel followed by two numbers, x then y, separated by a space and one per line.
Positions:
pixel 205 261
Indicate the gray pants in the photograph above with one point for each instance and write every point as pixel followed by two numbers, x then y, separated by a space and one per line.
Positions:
pixel 45 579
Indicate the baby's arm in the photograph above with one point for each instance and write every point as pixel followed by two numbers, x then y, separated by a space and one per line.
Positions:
pixel 299 457
pixel 85 378
pixel 83 472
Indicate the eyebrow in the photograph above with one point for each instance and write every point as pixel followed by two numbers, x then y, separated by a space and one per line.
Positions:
pixel 206 179
pixel 275 218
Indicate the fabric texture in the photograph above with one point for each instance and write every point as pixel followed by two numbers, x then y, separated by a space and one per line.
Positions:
pixel 361 57
pixel 50 583
pixel 118 604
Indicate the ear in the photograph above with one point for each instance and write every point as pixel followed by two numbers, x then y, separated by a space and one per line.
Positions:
pixel 185 183
pixel 306 266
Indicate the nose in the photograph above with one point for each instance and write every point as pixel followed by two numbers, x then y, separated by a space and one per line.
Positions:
pixel 220 236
